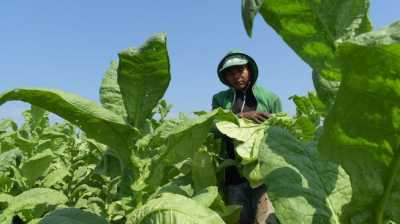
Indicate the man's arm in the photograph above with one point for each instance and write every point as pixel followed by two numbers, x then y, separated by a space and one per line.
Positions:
pixel 275 106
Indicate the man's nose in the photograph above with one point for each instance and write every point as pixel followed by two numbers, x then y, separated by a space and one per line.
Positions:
pixel 236 74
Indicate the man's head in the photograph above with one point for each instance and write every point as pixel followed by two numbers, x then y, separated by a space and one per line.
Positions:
pixel 237 70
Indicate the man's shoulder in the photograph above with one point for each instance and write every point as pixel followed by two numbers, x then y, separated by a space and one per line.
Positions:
pixel 268 99
pixel 265 93
pixel 221 98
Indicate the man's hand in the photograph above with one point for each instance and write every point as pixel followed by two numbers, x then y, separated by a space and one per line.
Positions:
pixel 257 117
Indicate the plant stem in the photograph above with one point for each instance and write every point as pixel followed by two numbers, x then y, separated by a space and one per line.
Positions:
pixel 394 167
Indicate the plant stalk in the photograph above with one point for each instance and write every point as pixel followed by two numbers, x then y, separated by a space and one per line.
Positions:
pixel 394 167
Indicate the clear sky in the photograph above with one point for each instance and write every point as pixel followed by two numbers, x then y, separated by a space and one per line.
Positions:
pixel 69 44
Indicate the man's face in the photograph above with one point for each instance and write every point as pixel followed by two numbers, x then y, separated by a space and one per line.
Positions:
pixel 237 76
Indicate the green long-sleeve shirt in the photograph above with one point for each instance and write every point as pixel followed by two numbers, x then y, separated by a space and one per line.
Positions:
pixel 266 100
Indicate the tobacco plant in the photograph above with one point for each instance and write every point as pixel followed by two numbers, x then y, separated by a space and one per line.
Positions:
pixel 356 76
pixel 150 166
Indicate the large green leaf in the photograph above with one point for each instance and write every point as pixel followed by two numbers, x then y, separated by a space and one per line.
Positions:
pixel 344 19
pixel 210 197
pixel 72 216
pixel 341 19
pixel 326 88
pixel 183 136
pixel 302 187
pixel 206 196
pixel 5 199
pixel 250 135
pixel 9 158
pixel 229 213
pixel 143 77
pixel 110 93
pixel 203 169
pixel 97 122
pixel 36 166
pixel 172 209
pixel 7 124
pixel 311 28
pixel 29 200
pixel 55 176
pixel 362 131
pixel 249 11
pixel 173 142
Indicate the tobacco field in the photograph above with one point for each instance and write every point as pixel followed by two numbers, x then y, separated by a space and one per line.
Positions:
pixel 126 161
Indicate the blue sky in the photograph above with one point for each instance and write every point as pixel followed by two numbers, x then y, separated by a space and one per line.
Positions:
pixel 68 45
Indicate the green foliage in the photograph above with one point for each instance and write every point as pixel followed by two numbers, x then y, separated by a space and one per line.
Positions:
pixel 313 29
pixel 362 130
pixel 310 111
pixel 171 143
pixel 36 166
pixel 30 200
pixel 110 93
pixel 97 122
pixel 93 188
pixel 249 11
pixel 60 158
pixel 143 77
pixel 302 187
pixel 71 216
pixel 174 208
pixel 9 158
pixel 309 106
pixel 144 155
pixel 203 169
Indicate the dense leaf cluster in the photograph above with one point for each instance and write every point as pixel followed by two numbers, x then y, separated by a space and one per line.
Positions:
pixel 127 164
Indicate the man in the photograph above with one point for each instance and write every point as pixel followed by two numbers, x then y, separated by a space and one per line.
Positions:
pixel 246 99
